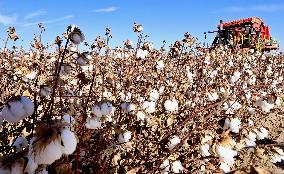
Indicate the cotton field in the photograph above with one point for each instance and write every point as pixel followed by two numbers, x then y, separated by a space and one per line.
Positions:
pixel 77 107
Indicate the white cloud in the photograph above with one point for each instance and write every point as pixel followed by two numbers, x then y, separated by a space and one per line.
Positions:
pixel 7 20
pixel 49 21
pixel 35 14
pixel 105 10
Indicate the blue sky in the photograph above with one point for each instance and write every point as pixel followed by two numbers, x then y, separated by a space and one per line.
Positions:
pixel 162 19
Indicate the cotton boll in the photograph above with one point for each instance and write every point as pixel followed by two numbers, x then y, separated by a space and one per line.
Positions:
pixel 226 154
pixel 17 168
pixel 262 133
pixel 106 108
pixel 154 95
pixel 149 106
pixel 97 111
pixel 17 109
pixel 251 111
pixel 69 141
pixel 160 65
pixel 68 119
pixel 205 150
pixel 142 54
pixel 235 125
pixel 278 101
pixel 173 142
pixel 125 137
pixel 165 167
pixel 107 94
pixel 171 105
pixel 44 171
pixel 177 167
pixel 49 154
pixel 31 166
pixel 131 107
pixel 28 105
pixel 7 115
pixel 93 123
pixel 140 116
pixel 20 143
pixel 45 91
pixel 212 96
pixel 225 167
pixel 31 75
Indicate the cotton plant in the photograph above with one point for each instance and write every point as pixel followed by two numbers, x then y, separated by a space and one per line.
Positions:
pixel 17 109
pixel 46 148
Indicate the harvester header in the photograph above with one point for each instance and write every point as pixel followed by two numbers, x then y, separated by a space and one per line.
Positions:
pixel 245 33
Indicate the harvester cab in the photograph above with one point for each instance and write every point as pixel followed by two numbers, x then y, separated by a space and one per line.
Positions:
pixel 245 33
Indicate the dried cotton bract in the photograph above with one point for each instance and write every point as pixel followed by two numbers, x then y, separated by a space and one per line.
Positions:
pixel 17 109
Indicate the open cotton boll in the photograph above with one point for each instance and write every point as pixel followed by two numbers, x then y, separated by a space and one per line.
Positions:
pixel 171 105
pixel 165 167
pixel 235 125
pixel 17 109
pixel 93 123
pixel 125 137
pixel 177 167
pixel 160 65
pixel 250 140
pixel 69 141
pixel 205 150
pixel 50 153
pixel 31 166
pixel 173 142
pixel 97 111
pixel 140 116
pixel 225 167
pixel 142 54
pixel 262 133
pixel 20 143
pixel 68 119
pixel 131 107
pixel 226 154
pixel 154 95
pixel 17 168
pixel 45 91
pixel 106 108
pixel 31 75
pixel 231 107
pixel 149 106
pixel 28 105
pixel 212 96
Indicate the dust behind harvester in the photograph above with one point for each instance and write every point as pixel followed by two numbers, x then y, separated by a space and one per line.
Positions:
pixel 245 33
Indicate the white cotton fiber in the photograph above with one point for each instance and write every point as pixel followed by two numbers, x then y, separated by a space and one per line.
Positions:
pixel 171 105
pixel 97 111
pixel 28 105
pixel 93 123
pixel 17 109
pixel 125 137
pixel 165 167
pixel 69 141
pixel 49 154
pixel 173 142
pixel 7 115
pixel 106 108
pixel 177 167
pixel 20 143
pixel 17 168
pixel 205 150
pixel 149 106
pixel 31 166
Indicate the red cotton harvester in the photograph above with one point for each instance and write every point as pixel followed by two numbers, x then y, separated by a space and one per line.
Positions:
pixel 248 33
